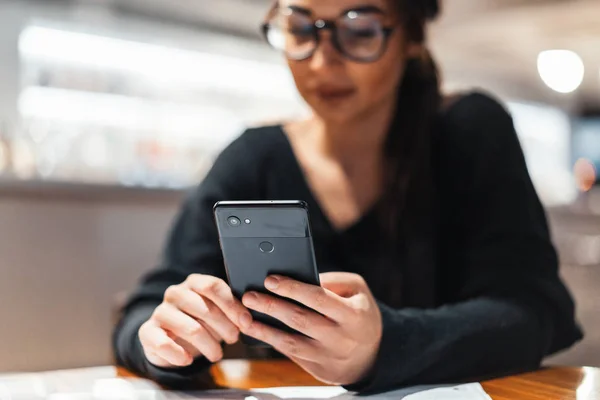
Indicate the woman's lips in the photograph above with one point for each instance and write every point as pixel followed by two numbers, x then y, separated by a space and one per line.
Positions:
pixel 334 94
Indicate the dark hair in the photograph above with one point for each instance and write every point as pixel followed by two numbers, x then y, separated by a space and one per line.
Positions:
pixel 409 186
pixel 408 206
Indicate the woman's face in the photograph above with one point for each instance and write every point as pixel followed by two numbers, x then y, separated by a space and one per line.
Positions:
pixel 336 88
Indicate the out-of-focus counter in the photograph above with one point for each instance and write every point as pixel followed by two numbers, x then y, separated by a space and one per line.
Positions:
pixel 83 191
pixel 67 251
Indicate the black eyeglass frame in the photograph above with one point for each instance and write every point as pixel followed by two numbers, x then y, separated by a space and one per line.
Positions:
pixel 324 24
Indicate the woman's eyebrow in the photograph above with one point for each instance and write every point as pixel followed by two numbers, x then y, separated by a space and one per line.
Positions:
pixel 366 9
pixel 301 10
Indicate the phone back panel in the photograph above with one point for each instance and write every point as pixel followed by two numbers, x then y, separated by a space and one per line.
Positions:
pixel 272 238
pixel 248 266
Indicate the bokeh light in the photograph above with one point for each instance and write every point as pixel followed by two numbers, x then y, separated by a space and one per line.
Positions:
pixel 561 70
pixel 585 174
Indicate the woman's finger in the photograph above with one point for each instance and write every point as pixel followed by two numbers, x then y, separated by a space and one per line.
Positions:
pixel 189 329
pixel 288 344
pixel 205 310
pixel 217 291
pixel 212 332
pixel 301 319
pixel 343 284
pixel 218 324
pixel 160 349
pixel 314 297
pixel 161 362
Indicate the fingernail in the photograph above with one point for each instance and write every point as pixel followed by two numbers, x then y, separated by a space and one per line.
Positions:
pixel 272 283
pixel 245 320
pixel 250 299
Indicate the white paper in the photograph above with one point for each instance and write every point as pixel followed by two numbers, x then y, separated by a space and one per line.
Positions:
pixel 302 392
pixel 472 391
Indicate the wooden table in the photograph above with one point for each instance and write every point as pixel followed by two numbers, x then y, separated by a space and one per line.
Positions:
pixel 548 384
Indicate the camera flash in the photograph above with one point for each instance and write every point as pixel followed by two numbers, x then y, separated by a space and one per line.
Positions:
pixel 247 221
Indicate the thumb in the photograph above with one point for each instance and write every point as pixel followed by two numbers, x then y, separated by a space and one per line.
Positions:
pixel 343 284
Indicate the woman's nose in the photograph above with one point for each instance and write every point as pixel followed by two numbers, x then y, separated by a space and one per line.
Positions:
pixel 326 55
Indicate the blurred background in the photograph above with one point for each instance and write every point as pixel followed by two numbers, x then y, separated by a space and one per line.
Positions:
pixel 110 109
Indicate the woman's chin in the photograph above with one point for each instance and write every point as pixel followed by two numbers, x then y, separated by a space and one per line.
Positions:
pixel 337 111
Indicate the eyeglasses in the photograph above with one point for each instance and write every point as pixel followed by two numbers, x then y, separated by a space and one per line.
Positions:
pixel 359 35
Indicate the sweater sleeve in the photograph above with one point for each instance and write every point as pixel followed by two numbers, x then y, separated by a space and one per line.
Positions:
pixel 505 305
pixel 192 248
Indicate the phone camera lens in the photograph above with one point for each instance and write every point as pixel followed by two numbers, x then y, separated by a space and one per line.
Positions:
pixel 234 222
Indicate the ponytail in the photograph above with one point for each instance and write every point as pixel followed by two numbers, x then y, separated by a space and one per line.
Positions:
pixel 408 149
pixel 408 207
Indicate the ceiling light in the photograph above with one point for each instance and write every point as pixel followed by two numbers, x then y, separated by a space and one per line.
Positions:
pixel 561 70
pixel 159 64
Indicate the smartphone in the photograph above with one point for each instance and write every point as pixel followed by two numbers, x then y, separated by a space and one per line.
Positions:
pixel 262 238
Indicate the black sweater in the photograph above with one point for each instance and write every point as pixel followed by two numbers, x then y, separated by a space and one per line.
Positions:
pixel 491 304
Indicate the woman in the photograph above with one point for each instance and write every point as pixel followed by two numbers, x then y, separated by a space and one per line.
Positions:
pixel 435 252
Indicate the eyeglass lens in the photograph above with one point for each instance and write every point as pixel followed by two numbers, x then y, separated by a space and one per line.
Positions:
pixel 359 36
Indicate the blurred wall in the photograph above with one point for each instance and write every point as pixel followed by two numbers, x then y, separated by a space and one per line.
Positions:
pixel 65 254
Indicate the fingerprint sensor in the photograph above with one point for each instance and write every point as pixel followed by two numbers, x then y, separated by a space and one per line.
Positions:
pixel 266 247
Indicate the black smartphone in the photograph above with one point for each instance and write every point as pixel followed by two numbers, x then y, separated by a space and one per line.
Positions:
pixel 262 238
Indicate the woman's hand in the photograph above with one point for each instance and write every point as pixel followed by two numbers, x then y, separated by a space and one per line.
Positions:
pixel 343 332
pixel 193 320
